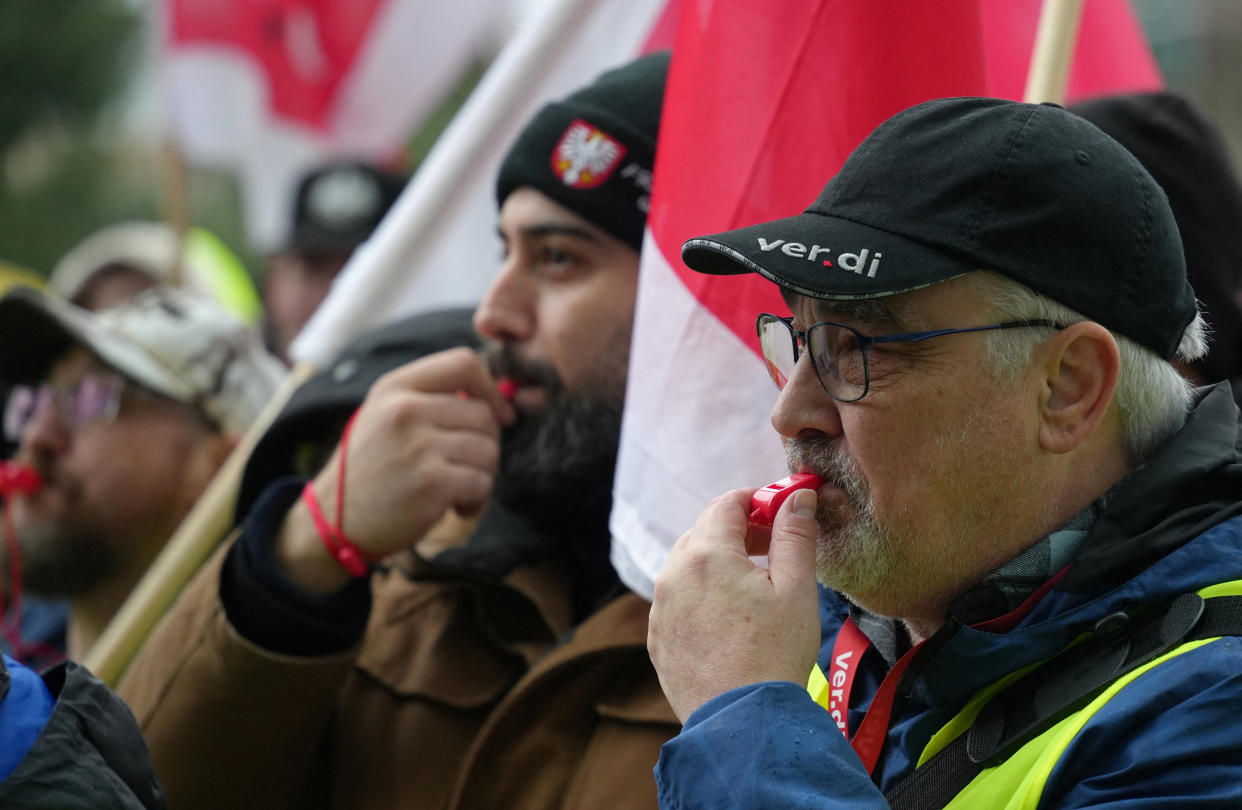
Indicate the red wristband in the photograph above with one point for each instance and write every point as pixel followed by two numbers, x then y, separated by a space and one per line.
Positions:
pixel 354 560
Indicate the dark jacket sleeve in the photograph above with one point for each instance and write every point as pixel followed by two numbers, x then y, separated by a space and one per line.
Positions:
pixel 764 745
pixel 272 612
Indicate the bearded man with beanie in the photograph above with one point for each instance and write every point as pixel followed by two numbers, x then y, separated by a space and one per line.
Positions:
pixel 503 668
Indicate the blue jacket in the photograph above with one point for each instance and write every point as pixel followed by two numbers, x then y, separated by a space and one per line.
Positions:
pixel 1171 737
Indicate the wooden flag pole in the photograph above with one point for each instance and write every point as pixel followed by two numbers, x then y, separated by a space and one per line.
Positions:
pixel 197 536
pixel 1054 50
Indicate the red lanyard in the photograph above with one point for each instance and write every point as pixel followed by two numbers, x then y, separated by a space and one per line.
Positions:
pixel 847 653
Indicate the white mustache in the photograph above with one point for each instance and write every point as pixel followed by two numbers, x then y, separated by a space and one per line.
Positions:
pixel 827 460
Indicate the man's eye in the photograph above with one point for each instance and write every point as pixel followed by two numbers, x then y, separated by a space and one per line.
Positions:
pixel 553 255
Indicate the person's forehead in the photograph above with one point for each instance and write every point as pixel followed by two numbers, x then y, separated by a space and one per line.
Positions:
pixel 530 213
pixel 957 295
pixel 867 310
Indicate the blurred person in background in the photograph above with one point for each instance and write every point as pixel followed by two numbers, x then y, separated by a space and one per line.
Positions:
pixel 126 415
pixel 37 634
pixel 1187 156
pixel 12 275
pixel 336 208
pixel 115 263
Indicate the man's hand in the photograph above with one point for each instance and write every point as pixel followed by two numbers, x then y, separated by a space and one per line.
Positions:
pixel 426 439
pixel 718 621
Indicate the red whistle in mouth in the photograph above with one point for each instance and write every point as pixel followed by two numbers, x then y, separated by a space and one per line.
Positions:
pixel 766 501
pixel 508 388
pixel 15 477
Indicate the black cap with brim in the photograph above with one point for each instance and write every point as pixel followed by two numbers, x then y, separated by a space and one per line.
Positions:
pixel 957 185
pixel 794 253
pixel 26 322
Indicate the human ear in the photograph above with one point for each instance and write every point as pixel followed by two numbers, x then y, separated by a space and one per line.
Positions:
pixel 1081 364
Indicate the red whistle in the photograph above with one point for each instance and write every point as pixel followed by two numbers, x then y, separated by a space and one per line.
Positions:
pixel 508 388
pixel 766 501
pixel 15 477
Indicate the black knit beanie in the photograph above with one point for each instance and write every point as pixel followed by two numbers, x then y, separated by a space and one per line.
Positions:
pixel 594 151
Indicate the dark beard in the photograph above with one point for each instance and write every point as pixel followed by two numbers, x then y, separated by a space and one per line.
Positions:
pixel 556 470
pixel 557 463
pixel 62 563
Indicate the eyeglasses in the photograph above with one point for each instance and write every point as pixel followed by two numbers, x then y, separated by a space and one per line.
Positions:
pixel 95 398
pixel 839 352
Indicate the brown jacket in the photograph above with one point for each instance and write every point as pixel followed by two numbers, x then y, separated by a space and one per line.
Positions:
pixel 463 694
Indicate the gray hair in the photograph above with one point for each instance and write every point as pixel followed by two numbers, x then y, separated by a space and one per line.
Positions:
pixel 1153 397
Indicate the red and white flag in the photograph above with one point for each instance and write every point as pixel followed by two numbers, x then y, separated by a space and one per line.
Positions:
pixel 765 100
pixel 273 87
pixel 436 247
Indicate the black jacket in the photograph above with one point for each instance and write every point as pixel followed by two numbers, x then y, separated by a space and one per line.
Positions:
pixel 89 755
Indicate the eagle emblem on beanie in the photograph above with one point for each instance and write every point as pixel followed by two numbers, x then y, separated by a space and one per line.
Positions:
pixel 585 155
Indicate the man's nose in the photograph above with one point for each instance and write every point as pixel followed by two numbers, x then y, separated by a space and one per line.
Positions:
pixel 45 434
pixel 507 311
pixel 804 409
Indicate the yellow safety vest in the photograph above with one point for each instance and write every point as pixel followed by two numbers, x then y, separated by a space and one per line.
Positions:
pixel 1018 782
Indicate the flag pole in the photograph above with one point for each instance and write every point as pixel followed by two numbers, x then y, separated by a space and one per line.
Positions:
pixel 1054 49
pixel 198 535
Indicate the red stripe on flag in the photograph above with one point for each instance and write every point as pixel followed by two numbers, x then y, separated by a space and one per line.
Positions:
pixel 1111 55
pixel 305 48
pixel 664 32
pixel 767 97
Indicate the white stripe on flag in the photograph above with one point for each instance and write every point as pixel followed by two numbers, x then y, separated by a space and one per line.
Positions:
pixel 695 374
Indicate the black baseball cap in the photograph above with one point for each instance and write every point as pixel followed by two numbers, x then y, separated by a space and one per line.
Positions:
pixel 1188 156
pixel 956 185
pixel 339 204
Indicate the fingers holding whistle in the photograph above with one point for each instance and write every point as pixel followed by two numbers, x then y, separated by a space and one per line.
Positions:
pixel 456 373
pixel 767 501
pixel 425 440
pixel 714 603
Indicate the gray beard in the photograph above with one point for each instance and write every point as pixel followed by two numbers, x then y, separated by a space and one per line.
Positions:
pixel 854 554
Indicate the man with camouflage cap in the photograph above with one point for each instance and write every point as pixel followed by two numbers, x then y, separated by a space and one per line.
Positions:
pixel 125 415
